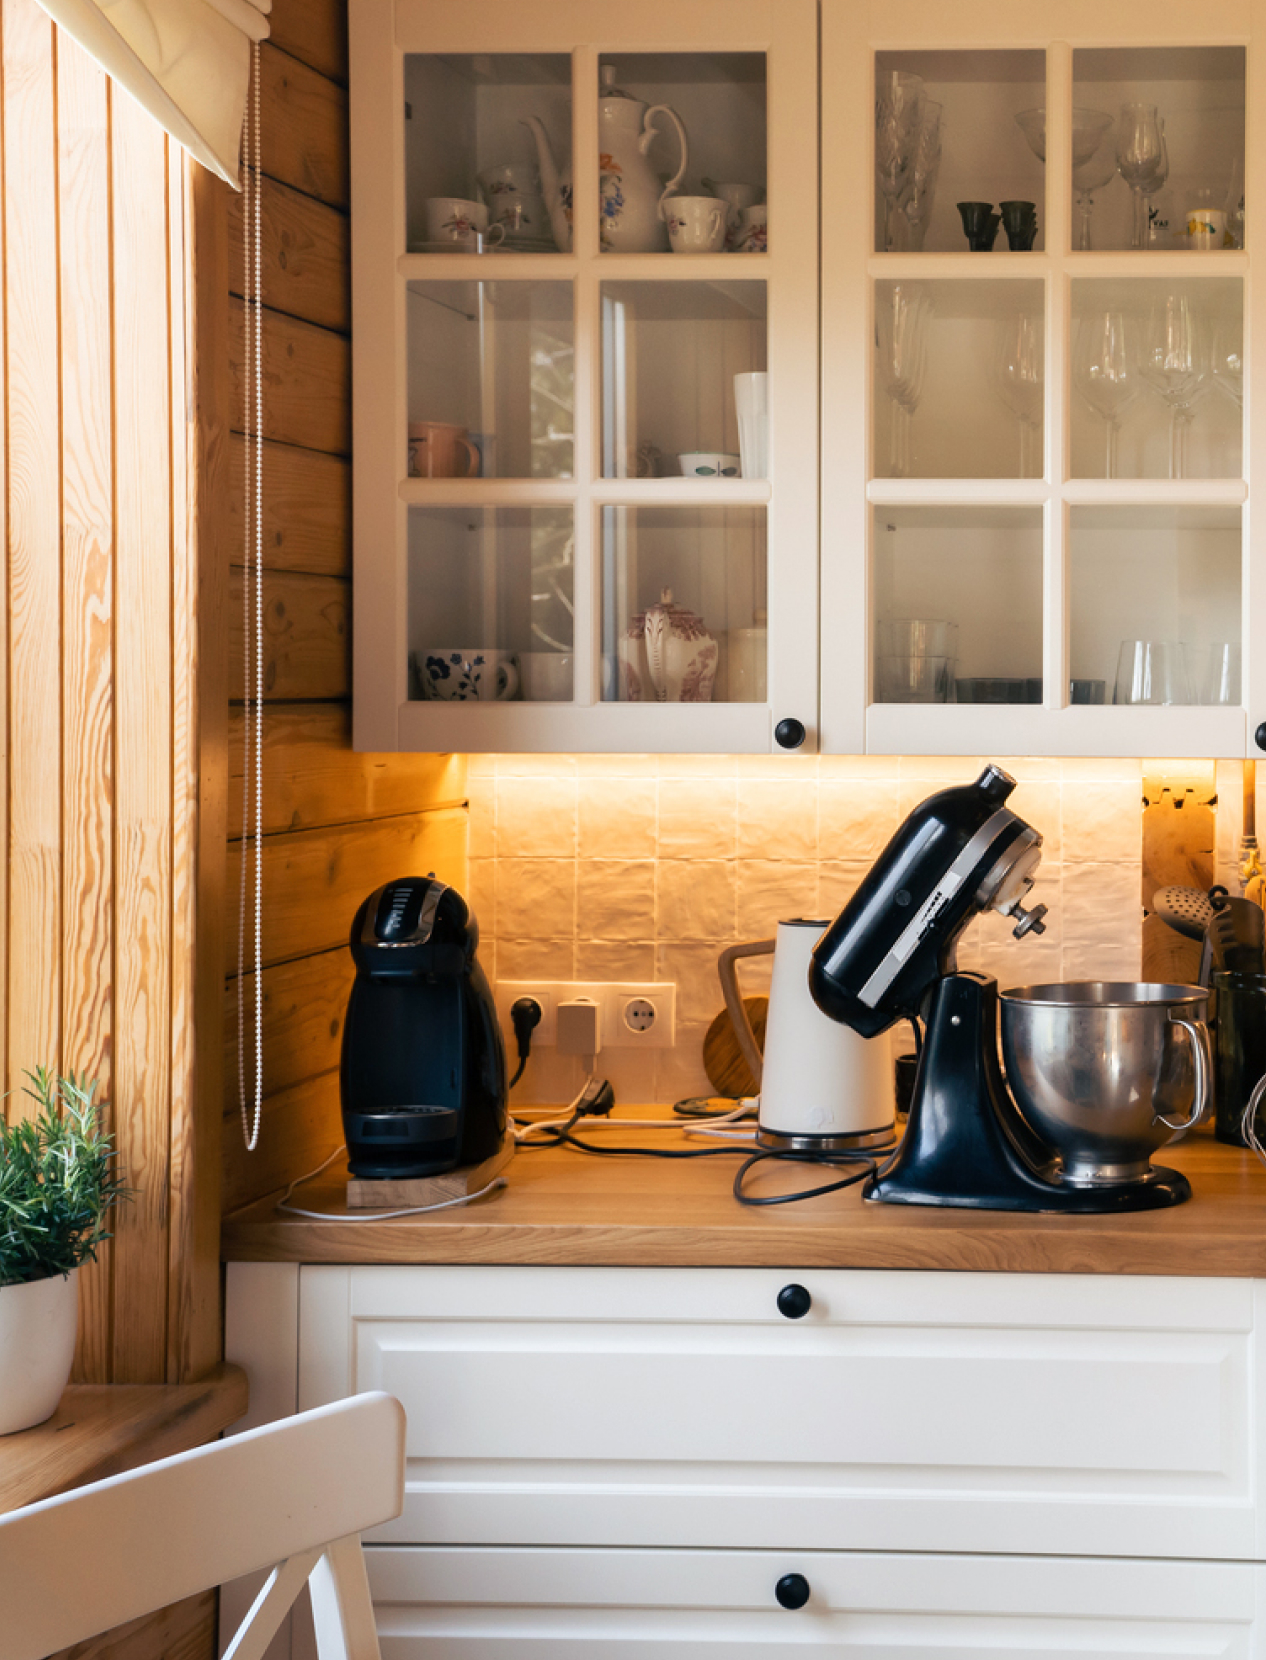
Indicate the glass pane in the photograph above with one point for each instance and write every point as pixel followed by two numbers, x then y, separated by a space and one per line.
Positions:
pixel 677 357
pixel 471 163
pixel 490 380
pixel 1168 170
pixel 1157 379
pixel 959 378
pixel 491 603
pixel 946 132
pixel 683 604
pixel 1155 602
pixel 709 148
pixel 958 605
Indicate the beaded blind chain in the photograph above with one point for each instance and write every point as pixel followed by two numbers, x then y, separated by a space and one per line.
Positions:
pixel 252 609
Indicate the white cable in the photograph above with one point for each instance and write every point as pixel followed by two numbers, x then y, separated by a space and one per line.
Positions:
pixel 744 1109
pixel 377 1215
pixel 252 636
pixel 1248 1122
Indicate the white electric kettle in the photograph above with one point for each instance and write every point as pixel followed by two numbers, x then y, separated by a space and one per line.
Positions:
pixel 823 1088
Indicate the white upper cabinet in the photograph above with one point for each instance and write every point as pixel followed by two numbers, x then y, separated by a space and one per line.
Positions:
pixel 585 430
pixel 1036 430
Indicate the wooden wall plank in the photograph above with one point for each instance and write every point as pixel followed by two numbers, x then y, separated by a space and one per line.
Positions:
pixel 315 32
pixel 304 248
pixel 304 1005
pixel 307 509
pixel 307 637
pixel 182 1631
pixel 83 185
pixel 307 382
pixel 144 739
pixel 313 777
pixel 315 879
pixel 304 131
pixel 34 525
pixel 299 1127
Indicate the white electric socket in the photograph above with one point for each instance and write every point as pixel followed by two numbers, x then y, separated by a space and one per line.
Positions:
pixel 635 1014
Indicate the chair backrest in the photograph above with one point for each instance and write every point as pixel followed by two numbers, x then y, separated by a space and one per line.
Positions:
pixel 293 1496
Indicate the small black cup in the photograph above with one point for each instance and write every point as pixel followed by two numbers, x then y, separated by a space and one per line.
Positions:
pixel 1019 220
pixel 980 225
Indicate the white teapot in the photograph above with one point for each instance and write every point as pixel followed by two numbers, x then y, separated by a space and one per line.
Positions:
pixel 667 655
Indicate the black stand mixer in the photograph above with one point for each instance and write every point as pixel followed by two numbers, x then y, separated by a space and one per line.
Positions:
pixel 890 955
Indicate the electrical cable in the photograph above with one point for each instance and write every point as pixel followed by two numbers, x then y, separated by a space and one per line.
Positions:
pixel 377 1215
pixel 869 1167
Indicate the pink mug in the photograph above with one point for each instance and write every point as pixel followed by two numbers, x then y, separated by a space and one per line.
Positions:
pixel 433 447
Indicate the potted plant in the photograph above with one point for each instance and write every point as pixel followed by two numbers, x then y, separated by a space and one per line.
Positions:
pixel 58 1182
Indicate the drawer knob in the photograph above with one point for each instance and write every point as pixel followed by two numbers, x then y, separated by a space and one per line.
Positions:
pixel 792 1591
pixel 795 1302
pixel 1259 737
pixel 790 732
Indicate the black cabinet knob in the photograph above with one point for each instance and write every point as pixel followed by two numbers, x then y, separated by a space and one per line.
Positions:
pixel 794 1301
pixel 792 1591
pixel 790 733
pixel 1259 737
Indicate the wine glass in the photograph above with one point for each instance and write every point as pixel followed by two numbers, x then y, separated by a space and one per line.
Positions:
pixel 1106 372
pixel 1090 176
pixel 920 191
pixel 1175 363
pixel 1152 672
pixel 1142 159
pixel 899 101
pixel 1089 126
pixel 1018 378
pixel 902 319
pixel 1226 360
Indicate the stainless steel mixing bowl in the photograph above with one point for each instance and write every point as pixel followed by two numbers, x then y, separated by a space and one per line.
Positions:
pixel 1106 1071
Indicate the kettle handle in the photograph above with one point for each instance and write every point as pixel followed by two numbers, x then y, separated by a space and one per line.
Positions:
pixel 1198 1032
pixel 644 143
pixel 734 1002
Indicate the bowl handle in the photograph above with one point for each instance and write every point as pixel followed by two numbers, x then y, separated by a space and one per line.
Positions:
pixel 1202 1055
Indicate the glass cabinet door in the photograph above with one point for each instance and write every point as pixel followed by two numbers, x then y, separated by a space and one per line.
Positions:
pixel 1035 384
pixel 585 378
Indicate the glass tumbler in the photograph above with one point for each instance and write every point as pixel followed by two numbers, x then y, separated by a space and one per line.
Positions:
pixel 1152 672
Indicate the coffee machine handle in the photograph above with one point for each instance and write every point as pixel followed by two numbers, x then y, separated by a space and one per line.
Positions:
pixel 1198 1032
pixel 734 1001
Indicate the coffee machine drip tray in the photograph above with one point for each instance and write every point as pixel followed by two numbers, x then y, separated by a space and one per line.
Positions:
pixel 403 1142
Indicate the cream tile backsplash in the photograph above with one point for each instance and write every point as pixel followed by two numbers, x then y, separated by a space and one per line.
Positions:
pixel 597 868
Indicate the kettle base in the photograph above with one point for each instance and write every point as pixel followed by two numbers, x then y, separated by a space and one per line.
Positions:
pixel 854 1141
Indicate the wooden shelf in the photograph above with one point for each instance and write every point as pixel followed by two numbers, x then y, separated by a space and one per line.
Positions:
pixel 102 1429
pixel 562 1207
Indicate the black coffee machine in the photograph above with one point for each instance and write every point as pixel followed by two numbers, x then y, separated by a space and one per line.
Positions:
pixel 423 1072
pixel 890 955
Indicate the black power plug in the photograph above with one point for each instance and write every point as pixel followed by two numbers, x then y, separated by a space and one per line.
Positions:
pixel 525 1017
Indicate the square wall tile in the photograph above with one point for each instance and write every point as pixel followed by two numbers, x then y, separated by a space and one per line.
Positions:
pixel 1103 920
pixel 697 818
pixel 535 959
pixel 615 960
pixel 770 892
pixel 1103 822
pixel 855 818
pixel 536 898
pixel 693 970
pixel 616 818
pixel 694 900
pixel 615 899
pixel 536 818
pixel 777 819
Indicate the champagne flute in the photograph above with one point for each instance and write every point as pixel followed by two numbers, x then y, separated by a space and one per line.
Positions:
pixel 1019 376
pixel 1106 373
pixel 1175 363
pixel 899 101
pixel 901 318
pixel 920 191
pixel 1142 159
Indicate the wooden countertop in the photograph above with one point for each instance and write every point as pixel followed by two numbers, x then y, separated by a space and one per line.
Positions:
pixel 100 1429
pixel 564 1207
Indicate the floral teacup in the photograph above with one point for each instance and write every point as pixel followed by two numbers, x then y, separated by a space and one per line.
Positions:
pixel 454 219
pixel 466 674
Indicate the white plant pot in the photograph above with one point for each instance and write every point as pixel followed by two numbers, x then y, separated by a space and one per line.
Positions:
pixel 37 1345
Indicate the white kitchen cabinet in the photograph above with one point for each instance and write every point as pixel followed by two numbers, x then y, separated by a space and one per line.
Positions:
pixel 573 374
pixel 969 482
pixel 617 1461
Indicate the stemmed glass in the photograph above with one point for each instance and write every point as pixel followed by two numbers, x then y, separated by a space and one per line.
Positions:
pixel 920 191
pixel 1090 176
pixel 1175 363
pixel 1106 372
pixel 902 320
pixel 1142 159
pixel 1227 361
pixel 899 101
pixel 1018 377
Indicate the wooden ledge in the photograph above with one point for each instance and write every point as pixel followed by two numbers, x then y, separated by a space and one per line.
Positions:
pixel 101 1429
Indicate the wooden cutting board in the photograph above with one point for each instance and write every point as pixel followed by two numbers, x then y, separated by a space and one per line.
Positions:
pixel 728 1072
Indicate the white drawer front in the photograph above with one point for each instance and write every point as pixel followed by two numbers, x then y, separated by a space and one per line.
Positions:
pixel 906 1411
pixel 491 1604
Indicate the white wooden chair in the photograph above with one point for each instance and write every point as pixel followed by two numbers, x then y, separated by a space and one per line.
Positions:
pixel 293 1496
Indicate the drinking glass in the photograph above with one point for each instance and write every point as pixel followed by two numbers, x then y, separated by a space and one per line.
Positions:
pixel 1090 176
pixel 1142 159
pixel 1220 676
pixel 1089 126
pixel 901 324
pixel 912 679
pixel 899 101
pixel 1018 378
pixel 920 191
pixel 917 637
pixel 1106 373
pixel 1152 672
pixel 1227 360
pixel 1175 363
